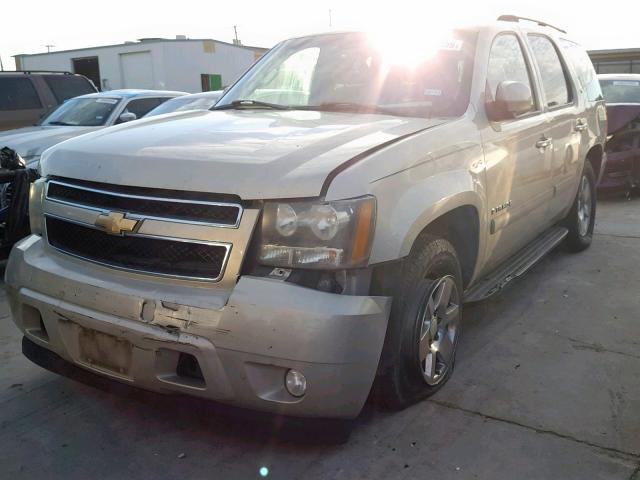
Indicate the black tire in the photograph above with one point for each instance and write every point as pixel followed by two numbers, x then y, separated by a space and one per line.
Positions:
pixel 578 239
pixel 401 381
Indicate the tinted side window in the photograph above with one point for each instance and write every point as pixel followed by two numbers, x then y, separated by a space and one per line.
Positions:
pixel 506 63
pixel 554 79
pixel 584 69
pixel 142 106
pixel 18 94
pixel 65 87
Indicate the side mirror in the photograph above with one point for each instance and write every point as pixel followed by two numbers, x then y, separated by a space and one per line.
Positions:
pixel 512 99
pixel 127 117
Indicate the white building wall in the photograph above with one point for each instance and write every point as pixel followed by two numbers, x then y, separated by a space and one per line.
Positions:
pixel 176 65
pixel 185 61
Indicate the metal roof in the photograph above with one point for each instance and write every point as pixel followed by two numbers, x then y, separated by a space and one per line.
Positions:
pixel 615 54
pixel 146 41
pixel 619 76
pixel 614 51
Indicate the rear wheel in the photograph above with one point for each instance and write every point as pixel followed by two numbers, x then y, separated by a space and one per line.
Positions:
pixel 582 217
pixel 425 325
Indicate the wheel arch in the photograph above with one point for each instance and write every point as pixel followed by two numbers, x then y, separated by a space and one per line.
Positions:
pixel 595 156
pixel 458 220
pixel 461 227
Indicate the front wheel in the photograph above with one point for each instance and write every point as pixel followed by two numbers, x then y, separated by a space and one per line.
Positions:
pixel 422 337
pixel 582 218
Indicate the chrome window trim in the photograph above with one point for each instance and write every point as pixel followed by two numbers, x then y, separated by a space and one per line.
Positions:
pixel 227 247
pixel 141 216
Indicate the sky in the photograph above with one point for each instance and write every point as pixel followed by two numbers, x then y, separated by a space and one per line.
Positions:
pixel 29 25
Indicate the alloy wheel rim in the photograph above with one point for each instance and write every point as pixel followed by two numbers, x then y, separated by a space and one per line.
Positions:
pixel 584 206
pixel 439 330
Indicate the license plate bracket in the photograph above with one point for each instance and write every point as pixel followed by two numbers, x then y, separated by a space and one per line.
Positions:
pixel 104 351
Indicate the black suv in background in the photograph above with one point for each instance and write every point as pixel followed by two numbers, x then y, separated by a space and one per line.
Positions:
pixel 26 95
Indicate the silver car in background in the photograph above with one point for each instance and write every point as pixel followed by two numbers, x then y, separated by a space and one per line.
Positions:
pixel 195 101
pixel 81 115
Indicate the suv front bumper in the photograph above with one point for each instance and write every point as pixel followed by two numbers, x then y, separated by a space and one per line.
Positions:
pixel 131 329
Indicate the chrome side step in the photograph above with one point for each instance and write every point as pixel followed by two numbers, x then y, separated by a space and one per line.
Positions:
pixel 516 265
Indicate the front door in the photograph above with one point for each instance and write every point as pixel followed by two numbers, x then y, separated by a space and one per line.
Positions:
pixel 518 159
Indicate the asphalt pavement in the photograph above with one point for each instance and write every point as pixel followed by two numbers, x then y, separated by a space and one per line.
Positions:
pixel 547 386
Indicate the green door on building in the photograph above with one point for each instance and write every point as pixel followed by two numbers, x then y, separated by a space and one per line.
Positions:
pixel 211 81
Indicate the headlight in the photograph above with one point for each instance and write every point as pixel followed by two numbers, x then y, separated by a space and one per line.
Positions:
pixel 36 194
pixel 314 234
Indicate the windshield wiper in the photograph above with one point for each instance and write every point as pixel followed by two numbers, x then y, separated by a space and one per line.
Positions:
pixel 347 107
pixel 237 104
pixel 64 124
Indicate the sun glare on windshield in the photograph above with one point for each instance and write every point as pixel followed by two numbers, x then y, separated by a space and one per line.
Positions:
pixel 411 49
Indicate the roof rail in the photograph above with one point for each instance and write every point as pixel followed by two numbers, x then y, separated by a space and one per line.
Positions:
pixel 515 18
pixel 27 72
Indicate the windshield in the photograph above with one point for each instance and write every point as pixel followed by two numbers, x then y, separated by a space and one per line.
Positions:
pixel 621 91
pixel 187 102
pixel 82 112
pixel 351 72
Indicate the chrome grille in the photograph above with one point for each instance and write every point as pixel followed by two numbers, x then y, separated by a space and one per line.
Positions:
pixel 144 254
pixel 167 233
pixel 224 214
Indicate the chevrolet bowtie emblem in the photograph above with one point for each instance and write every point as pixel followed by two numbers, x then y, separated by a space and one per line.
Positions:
pixel 115 223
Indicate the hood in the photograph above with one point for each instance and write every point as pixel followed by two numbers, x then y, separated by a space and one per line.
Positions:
pixel 30 141
pixel 254 154
pixel 619 115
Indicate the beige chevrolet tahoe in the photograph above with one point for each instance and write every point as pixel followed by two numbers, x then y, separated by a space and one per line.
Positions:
pixel 316 234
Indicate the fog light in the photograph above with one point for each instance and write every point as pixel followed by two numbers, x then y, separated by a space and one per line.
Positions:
pixel 296 383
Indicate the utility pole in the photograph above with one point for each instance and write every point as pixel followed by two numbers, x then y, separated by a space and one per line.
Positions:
pixel 235 30
pixel 49 47
pixel 330 22
pixel 1 65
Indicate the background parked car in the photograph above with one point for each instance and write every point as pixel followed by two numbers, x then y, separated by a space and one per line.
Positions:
pixel 196 101
pixel 25 96
pixel 73 118
pixel 622 96
pixel 81 115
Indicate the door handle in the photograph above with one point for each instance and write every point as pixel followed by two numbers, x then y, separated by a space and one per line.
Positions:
pixel 543 143
pixel 581 125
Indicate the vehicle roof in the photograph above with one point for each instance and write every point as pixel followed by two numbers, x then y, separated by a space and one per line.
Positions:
pixel 134 93
pixel 40 72
pixel 619 76
pixel 528 26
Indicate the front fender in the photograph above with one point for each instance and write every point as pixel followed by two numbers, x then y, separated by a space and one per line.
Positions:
pixel 416 181
pixel 405 209
pixel 441 207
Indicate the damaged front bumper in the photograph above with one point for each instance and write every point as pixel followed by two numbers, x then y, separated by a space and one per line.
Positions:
pixel 135 330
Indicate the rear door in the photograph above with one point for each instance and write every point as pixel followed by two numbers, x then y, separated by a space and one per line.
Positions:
pixel 517 155
pixel 20 104
pixel 568 122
